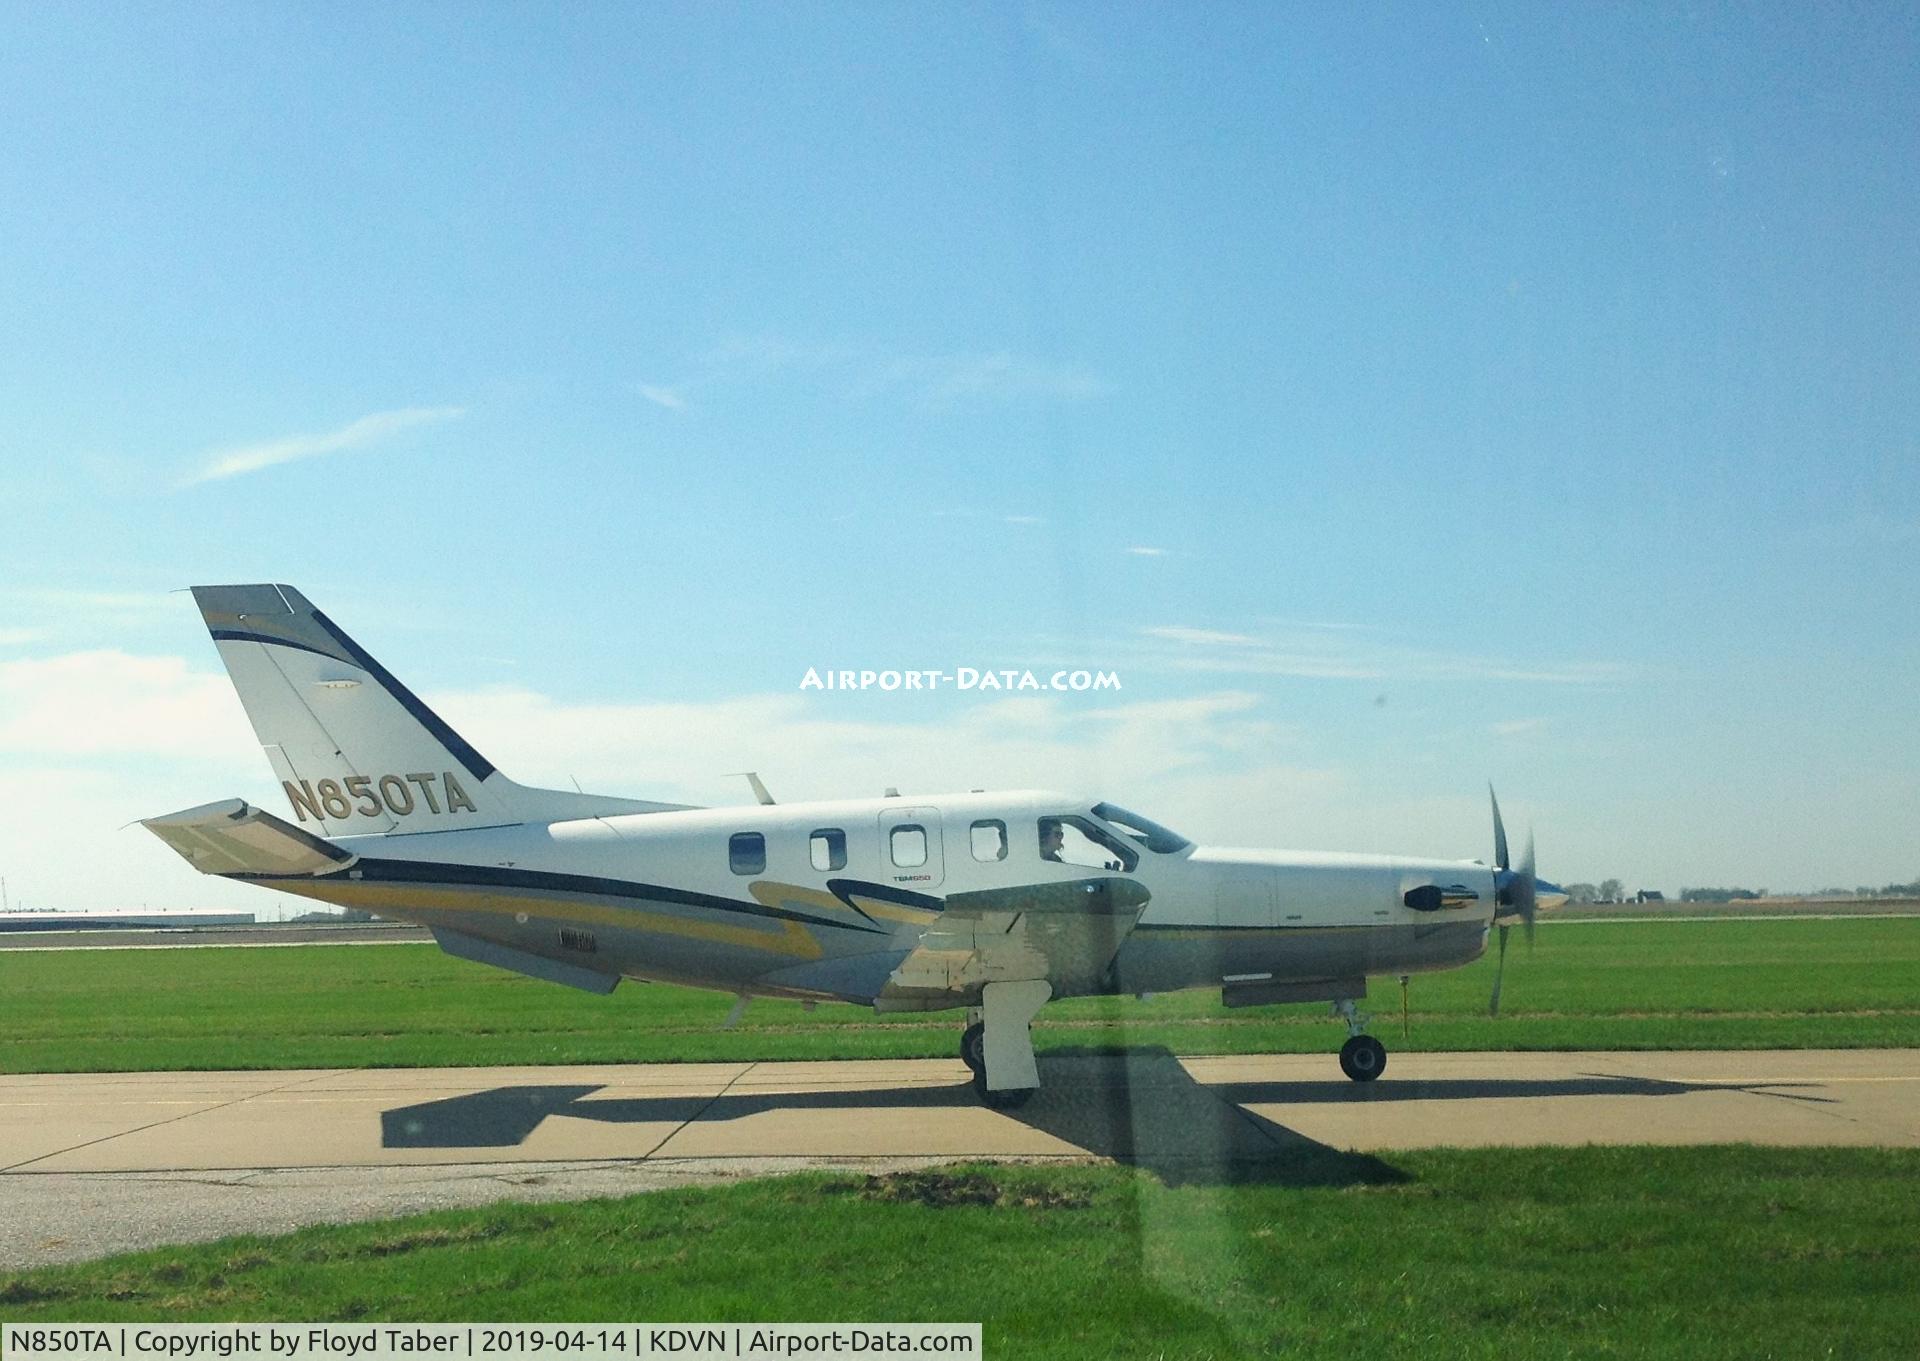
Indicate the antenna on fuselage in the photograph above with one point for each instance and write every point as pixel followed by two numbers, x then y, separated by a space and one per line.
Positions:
pixel 760 793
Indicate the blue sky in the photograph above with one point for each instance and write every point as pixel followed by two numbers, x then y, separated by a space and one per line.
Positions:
pixel 1498 393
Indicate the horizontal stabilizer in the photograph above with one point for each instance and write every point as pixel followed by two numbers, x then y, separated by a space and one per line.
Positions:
pixel 234 837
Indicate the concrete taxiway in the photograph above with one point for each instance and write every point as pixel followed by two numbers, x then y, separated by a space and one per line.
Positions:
pixel 96 1163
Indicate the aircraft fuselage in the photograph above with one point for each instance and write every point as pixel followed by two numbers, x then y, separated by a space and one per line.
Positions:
pixel 692 897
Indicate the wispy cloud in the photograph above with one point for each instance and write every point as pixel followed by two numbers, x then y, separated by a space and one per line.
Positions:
pixel 381 425
pixel 1215 762
pixel 1324 625
pixel 1141 552
pixel 1179 634
pixel 114 704
pixel 67 600
pixel 91 741
pixel 1269 661
pixel 663 396
pixel 865 373
pixel 19 637
pixel 1336 653
pixel 1517 727
pixel 941 380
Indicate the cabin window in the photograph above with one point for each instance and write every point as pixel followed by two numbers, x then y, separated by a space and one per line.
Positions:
pixel 827 848
pixel 1069 840
pixel 908 845
pixel 989 839
pixel 747 853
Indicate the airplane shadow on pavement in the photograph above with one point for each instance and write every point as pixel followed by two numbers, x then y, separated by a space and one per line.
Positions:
pixel 1142 1108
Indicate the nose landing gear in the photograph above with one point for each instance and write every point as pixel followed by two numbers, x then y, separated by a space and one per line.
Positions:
pixel 1362 1057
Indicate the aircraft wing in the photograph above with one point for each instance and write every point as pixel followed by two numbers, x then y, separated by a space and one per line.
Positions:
pixel 234 837
pixel 1065 933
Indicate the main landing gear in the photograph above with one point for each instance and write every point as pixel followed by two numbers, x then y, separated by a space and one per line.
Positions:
pixel 973 1045
pixel 1362 1057
pixel 998 1043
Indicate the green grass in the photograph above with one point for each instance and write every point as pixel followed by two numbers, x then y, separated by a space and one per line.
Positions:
pixel 1603 1252
pixel 1798 983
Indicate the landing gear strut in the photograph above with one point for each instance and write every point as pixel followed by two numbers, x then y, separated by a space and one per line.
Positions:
pixel 1362 1057
pixel 998 1046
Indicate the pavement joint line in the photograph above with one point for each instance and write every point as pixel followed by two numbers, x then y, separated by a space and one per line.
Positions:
pixel 675 1131
pixel 155 1124
pixel 1794 1081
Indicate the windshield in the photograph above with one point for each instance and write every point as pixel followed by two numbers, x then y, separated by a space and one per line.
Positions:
pixel 1143 830
pixel 1069 839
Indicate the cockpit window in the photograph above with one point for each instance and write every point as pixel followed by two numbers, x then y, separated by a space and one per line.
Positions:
pixel 1069 840
pixel 1147 832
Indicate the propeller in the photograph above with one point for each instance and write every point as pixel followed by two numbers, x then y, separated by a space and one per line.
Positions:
pixel 1516 895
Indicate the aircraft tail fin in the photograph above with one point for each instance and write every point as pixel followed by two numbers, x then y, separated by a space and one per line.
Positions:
pixel 356 751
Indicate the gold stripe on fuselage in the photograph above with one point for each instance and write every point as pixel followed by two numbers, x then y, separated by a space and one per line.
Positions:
pixel 789 938
pixel 893 912
pixel 769 893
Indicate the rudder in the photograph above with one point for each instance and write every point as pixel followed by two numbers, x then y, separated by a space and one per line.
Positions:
pixel 356 751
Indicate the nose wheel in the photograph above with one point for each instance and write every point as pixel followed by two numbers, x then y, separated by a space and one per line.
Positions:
pixel 1363 1058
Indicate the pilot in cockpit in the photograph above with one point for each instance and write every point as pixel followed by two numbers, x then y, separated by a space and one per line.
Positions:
pixel 1052 838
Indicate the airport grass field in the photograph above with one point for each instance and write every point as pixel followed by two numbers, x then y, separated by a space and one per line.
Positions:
pixel 1603 1252
pixel 1697 1253
pixel 1789 983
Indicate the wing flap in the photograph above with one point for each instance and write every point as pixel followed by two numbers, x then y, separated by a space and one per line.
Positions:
pixel 234 837
pixel 1065 933
pixel 1104 897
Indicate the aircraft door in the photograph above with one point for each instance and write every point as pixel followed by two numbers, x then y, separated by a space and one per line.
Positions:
pixel 911 853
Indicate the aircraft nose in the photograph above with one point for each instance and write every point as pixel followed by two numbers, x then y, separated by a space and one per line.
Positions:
pixel 1548 896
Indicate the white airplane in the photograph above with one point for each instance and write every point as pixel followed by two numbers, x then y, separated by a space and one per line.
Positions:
pixel 991 902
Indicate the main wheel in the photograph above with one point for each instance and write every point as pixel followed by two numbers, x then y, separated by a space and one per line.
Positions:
pixel 1009 1098
pixel 973 1048
pixel 1363 1058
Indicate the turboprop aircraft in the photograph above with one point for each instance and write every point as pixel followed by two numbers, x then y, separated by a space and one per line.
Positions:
pixel 993 903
